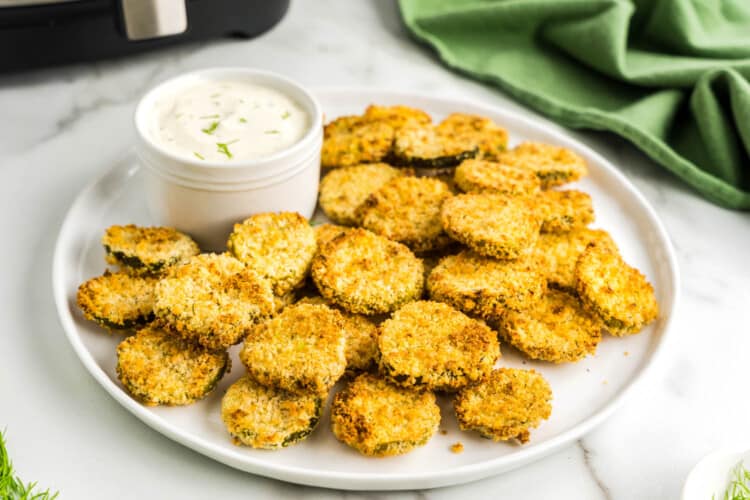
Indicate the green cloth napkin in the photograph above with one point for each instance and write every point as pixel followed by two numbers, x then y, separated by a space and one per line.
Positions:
pixel 670 76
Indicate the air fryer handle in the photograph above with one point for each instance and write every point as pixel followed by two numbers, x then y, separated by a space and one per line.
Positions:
pixel 148 19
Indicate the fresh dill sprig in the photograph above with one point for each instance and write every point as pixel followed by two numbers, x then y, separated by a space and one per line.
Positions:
pixel 243 120
pixel 223 147
pixel 286 115
pixel 11 486
pixel 210 129
pixel 198 155
pixel 739 485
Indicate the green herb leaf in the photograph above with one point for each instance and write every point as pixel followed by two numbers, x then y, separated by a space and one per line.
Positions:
pixel 210 129
pixel 223 148
pixel 272 132
pixel 198 155
pixel 739 485
pixel 243 120
pixel 286 115
pixel 11 486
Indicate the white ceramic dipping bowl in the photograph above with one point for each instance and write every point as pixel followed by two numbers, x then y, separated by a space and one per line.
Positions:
pixel 205 198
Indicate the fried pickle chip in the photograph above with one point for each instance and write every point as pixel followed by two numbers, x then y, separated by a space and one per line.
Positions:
pixel 557 329
pixel 432 345
pixel 344 189
pixel 213 300
pixel 618 293
pixel 416 145
pixel 477 176
pixel 326 232
pixel 361 335
pixel 554 165
pixel 266 417
pixel 351 140
pixel 277 246
pixel 563 211
pixel 397 116
pixel 366 273
pixel 483 286
pixel 380 419
pixel 301 350
pixel 486 135
pixel 118 301
pixel 491 224
pixel 407 210
pixel 147 250
pixel 506 405
pixel 556 254
pixel 159 368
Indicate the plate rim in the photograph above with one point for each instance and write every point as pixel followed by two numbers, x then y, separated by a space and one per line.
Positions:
pixel 381 481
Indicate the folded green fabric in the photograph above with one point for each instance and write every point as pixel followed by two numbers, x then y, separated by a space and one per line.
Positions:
pixel 670 76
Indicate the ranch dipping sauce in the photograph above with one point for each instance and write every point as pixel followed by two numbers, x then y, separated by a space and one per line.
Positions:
pixel 227 121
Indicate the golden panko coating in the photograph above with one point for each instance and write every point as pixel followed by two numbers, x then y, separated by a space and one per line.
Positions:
pixel 344 189
pixel 301 350
pixel 159 368
pixel 326 232
pixel 556 254
pixel 268 418
pixel 554 165
pixel 428 146
pixel 277 246
pixel 147 250
pixel 431 345
pixel 563 211
pixel 407 210
pixel 361 335
pixel 506 405
pixel 493 225
pixel 397 116
pixel 118 301
pixel 366 273
pixel 618 293
pixel 351 140
pixel 479 131
pixel 484 286
pixel 213 300
pixel 478 176
pixel 379 419
pixel 556 329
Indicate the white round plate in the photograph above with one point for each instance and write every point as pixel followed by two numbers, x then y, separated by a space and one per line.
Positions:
pixel 585 393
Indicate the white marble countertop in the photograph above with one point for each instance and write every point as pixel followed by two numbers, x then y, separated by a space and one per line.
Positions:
pixel 61 127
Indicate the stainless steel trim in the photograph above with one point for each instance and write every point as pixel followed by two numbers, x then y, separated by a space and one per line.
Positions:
pixel 146 19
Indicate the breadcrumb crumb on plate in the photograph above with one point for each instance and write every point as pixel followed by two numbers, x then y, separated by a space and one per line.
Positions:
pixel 615 291
pixel 380 419
pixel 506 405
pixel 159 368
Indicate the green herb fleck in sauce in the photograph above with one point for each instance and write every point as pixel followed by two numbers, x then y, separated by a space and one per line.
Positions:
pixel 286 115
pixel 198 155
pixel 210 129
pixel 223 147
pixel 272 132
pixel 243 120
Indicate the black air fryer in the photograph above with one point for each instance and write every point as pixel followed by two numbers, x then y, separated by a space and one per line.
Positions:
pixel 35 33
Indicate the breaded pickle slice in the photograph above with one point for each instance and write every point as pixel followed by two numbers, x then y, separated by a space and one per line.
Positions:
pixel 277 246
pixel 556 254
pixel 477 176
pixel 344 189
pixel 617 292
pixel 361 335
pixel 431 345
pixel 554 165
pixel 407 210
pixel 486 135
pixel 563 211
pixel 506 405
pixel 557 329
pixel 159 368
pixel 301 350
pixel 380 419
pixel 326 232
pixel 118 301
pixel 351 140
pixel 213 300
pixel 147 250
pixel 397 116
pixel 484 286
pixel 366 273
pixel 268 418
pixel 494 225
pixel 427 146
